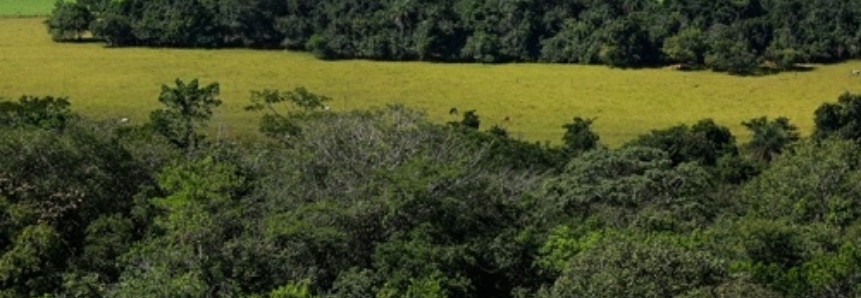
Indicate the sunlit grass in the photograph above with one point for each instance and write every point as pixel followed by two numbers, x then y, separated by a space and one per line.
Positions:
pixel 537 98
pixel 26 7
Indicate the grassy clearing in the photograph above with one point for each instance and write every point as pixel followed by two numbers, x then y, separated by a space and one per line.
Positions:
pixel 537 98
pixel 18 8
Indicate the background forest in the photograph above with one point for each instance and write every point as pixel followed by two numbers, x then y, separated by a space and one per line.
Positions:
pixel 736 36
pixel 384 203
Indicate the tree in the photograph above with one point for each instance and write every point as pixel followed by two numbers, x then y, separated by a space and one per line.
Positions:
pixel 813 183
pixel 625 44
pixel 633 186
pixel 634 268
pixel 688 46
pixel 69 21
pixel 470 120
pixel 839 120
pixel 44 112
pixel 730 51
pixel 705 142
pixel 279 124
pixel 199 218
pixel 188 107
pixel 579 136
pixel 769 137
pixel 58 190
pixel 97 7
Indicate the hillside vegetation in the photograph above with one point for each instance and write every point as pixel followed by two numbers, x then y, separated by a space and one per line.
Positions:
pixel 163 171
pixel 736 36
pixel 384 203
pixel 538 98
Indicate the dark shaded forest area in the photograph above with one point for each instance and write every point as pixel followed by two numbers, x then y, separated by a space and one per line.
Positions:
pixel 385 203
pixel 737 36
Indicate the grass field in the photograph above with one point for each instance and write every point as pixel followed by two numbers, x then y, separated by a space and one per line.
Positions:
pixel 538 98
pixel 18 8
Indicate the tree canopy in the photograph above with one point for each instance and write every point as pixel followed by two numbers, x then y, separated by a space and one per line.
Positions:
pixel 724 35
pixel 387 203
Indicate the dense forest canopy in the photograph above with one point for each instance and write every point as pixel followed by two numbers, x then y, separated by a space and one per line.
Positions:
pixel 385 203
pixel 726 35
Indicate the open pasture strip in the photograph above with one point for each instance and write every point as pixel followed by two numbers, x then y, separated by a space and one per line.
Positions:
pixel 531 100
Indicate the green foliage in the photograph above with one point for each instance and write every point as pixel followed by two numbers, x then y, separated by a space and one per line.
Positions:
pixel 43 112
pixel 688 46
pixel 769 137
pixel 198 215
pixel 187 107
pixel 28 267
pixel 470 120
pixel 386 203
pixel 279 124
pixel 724 35
pixel 625 43
pixel 61 188
pixel 704 142
pixel 563 244
pixel 729 50
pixel 839 120
pixel 639 269
pixel 292 290
pixel 813 183
pixel 579 137
pixel 69 21
pixel 633 186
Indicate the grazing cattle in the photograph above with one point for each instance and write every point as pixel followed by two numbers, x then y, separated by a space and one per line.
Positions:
pixel 453 111
pixel 326 108
pixel 855 72
pixel 506 119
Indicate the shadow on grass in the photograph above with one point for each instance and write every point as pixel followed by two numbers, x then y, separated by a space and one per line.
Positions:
pixel 82 40
pixel 758 71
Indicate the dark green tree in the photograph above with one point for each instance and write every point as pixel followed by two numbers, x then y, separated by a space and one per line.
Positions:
pixel 815 183
pixel 633 186
pixel 730 51
pixel 625 43
pixel 59 191
pixel 705 142
pixel 687 46
pixel 69 21
pixel 579 137
pixel 187 107
pixel 769 138
pixel 632 268
pixel 839 120
pixel 280 124
pixel 44 112
pixel 470 120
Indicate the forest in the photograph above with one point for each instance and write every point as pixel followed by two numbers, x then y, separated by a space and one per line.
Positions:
pixel 736 36
pixel 385 203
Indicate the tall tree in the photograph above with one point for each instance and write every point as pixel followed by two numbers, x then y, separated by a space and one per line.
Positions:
pixel 69 21
pixel 579 136
pixel 839 120
pixel 769 137
pixel 187 107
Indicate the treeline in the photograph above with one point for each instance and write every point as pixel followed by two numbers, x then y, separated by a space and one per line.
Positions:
pixel 726 35
pixel 384 203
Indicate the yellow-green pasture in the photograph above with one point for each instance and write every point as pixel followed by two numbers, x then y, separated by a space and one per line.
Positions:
pixel 26 7
pixel 537 98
